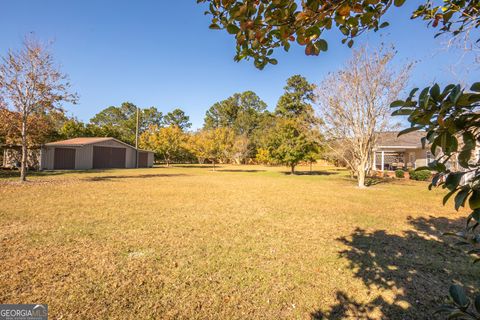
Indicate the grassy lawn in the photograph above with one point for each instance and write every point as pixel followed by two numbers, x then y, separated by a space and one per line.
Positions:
pixel 245 242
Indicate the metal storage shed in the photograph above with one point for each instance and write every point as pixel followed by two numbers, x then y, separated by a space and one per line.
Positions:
pixel 92 153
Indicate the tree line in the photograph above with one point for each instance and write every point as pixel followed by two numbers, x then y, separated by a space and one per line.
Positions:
pixel 352 106
pixel 238 129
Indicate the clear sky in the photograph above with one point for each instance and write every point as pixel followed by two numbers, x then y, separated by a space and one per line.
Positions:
pixel 161 53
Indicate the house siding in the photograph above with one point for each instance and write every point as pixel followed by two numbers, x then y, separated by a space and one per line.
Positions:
pixel 420 158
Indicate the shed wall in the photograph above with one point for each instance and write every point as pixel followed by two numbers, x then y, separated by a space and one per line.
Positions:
pixel 150 159
pixel 47 157
pixel 130 154
pixel 84 158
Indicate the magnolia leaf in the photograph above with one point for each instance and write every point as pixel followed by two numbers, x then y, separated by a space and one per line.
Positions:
pixel 408 130
pixel 397 103
pixel 384 25
pixel 457 293
pixel 453 180
pixel 475 87
pixel 474 201
pixel 214 26
pixel 322 45
pixel 435 91
pixel 460 198
pixel 232 29
pixel 477 303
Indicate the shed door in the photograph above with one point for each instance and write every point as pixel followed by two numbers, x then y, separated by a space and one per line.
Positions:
pixel 64 158
pixel 143 159
pixel 118 157
pixel 107 157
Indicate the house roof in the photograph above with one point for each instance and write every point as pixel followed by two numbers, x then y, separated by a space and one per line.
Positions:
pixel 80 142
pixel 391 139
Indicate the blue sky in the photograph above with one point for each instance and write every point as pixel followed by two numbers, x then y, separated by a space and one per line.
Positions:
pixel 156 54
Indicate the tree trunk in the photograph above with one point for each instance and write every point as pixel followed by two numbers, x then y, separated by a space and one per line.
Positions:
pixel 167 160
pixel 361 177
pixel 23 165
pixel 213 165
pixel 292 168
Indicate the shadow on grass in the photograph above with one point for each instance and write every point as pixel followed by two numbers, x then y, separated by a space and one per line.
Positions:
pixel 140 176
pixel 16 173
pixel 407 275
pixel 372 181
pixel 311 173
pixel 199 166
pixel 241 170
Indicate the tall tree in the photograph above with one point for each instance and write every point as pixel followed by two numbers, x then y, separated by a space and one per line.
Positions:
pixel 294 132
pixel 245 113
pixel 120 122
pixel 177 117
pixel 289 143
pixel 73 128
pixel 296 102
pixel 32 87
pixel 354 105
pixel 241 112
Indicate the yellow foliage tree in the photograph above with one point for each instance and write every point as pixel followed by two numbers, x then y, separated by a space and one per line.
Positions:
pixel 214 145
pixel 168 142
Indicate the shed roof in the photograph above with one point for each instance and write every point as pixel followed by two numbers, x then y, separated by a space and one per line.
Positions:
pixel 80 142
pixel 391 139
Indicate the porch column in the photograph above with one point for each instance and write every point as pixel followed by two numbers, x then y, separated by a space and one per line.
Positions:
pixel 374 160
pixel 383 160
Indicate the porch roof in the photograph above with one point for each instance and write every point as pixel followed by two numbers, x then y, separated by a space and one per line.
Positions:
pixel 395 148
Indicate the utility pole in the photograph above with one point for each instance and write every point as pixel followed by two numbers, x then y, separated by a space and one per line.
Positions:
pixel 136 139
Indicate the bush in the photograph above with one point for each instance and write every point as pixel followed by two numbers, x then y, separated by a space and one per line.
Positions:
pixel 399 174
pixel 422 175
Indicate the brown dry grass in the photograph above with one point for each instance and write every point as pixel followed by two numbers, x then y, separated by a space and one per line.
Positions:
pixel 240 243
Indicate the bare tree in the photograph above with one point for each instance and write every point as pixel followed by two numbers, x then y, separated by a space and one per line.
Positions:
pixel 241 149
pixel 31 86
pixel 354 104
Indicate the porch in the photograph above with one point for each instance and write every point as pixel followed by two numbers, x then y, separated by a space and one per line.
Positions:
pixel 386 159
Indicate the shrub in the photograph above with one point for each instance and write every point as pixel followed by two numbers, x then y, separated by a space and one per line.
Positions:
pixel 399 173
pixel 421 175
